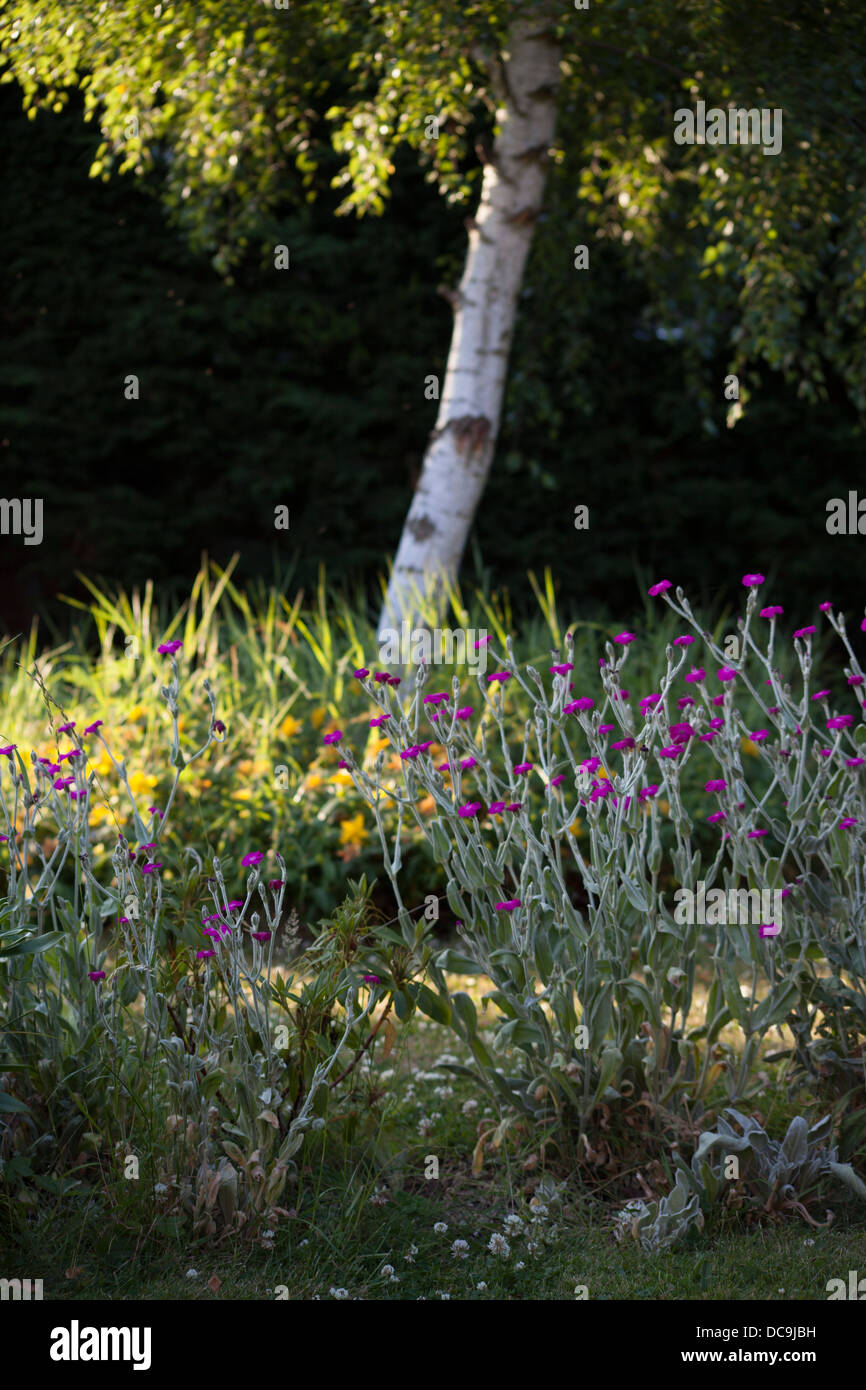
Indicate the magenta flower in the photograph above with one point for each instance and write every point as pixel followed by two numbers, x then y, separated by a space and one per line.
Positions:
pixel 66 728
pixel 671 752
pixel 444 767
pixel 681 733
pixel 497 807
pixel 422 747
pixel 236 902
pixel 155 811
pixel 583 703
pixel 508 906
pixel 759 735
pixel 218 727
pixel 805 631
pixel 647 791
pixel 825 607
pixel 555 781
pixel 718 700
pixel 150 868
pixel 854 762
pixel 211 931
pixel 412 752
pixel 375 723
pixel 847 822
pixel 381 677
pixel 466 712
pixel 169 648
pixel 91 728
pixel 623 743
pixel 471 808
pixel 717 785
pixel 840 721
pixel 372 980
pixel 436 699
pixel 275 883
pixel 855 680
pixel 204 955
pixel 561 669
pixel 717 815
pixel 394 680
pixel 361 673
pixel 820 694
pixel 655 589
pixel 751 581
pixel 260 935
pixel 514 806
pixel 466 763
pixel 333 737
pixel 623 638
pixel 523 767
pixel 708 737
pixel 649 702
pixel 696 674
pixel 482 642
pixel 769 929
pixel 591 764
pixel 772 709
pixel 255 856
pixel 863 625
pixel 684 701
pixel 726 673
pixel 685 641
pixel 755 834
pixel 500 676
pixel 775 610
pixel 96 975
pixel 620 695
pixel 825 752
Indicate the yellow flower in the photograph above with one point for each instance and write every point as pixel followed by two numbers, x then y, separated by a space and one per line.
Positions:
pixel 749 747
pixel 576 828
pixel 98 815
pixel 242 794
pixel 603 772
pixel 245 766
pixel 341 779
pixel 141 782
pixel 137 712
pixel 352 831
pixel 376 745
pixel 291 726
pixel 664 807
pixel 102 766
pixel 314 780
pixel 318 717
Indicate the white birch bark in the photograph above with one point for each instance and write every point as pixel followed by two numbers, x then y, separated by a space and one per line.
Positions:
pixel 461 448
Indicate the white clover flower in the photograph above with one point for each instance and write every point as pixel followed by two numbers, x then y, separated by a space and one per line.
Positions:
pixel 425 1125
pixel 460 1249
pixel 302 1244
pixel 809 1241
pixel 387 1074
pixel 318 1123
pixel 469 1106
pixel 159 1189
pixel 440 1227
pixel 481 1287
pixel 444 1295
pixel 192 1274
pixel 387 1271
pixel 443 1092
pixel 539 1209
pixel 446 1060
pixel 520 1265
pixel 394 1279
pixel 339 1293
pixel 514 1223
pixel 498 1245
pixel 413 1251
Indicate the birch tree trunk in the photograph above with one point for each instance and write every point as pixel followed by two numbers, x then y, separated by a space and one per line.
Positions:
pixel 460 450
